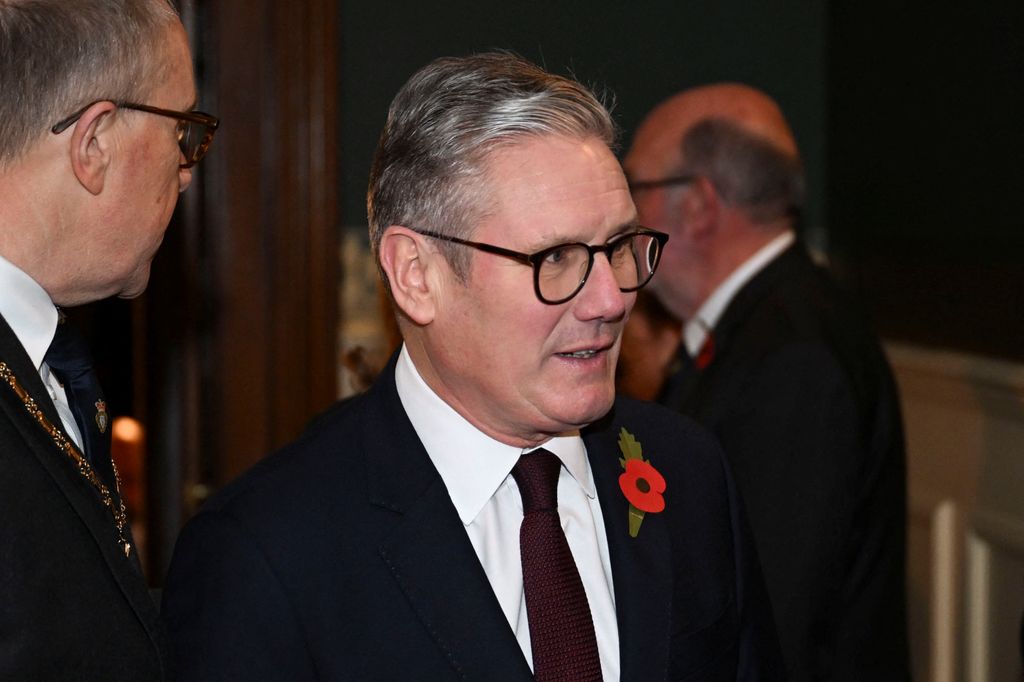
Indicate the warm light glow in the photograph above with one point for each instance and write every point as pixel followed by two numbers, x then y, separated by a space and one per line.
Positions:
pixel 128 430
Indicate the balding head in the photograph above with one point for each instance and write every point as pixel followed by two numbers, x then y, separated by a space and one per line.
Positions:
pixel 658 139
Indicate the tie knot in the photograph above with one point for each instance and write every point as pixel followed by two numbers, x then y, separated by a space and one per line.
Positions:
pixel 536 474
pixel 68 354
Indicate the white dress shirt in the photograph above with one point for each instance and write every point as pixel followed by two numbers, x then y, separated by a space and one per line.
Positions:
pixel 32 317
pixel 476 469
pixel 695 329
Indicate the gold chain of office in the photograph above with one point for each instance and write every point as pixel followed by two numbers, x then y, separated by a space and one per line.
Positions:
pixel 81 464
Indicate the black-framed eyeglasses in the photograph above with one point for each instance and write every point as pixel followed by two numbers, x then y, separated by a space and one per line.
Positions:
pixel 662 182
pixel 195 128
pixel 560 271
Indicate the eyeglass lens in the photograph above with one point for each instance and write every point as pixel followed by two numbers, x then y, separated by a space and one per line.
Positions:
pixel 564 270
pixel 193 139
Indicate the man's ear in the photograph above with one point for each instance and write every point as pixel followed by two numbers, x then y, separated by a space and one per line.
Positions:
pixel 91 146
pixel 407 261
pixel 700 206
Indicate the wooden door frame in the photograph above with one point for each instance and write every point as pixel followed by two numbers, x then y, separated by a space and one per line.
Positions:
pixel 236 339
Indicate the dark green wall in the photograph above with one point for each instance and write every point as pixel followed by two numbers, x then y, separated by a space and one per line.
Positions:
pixel 643 51
pixel 925 150
pixel 925 126
pixel 906 112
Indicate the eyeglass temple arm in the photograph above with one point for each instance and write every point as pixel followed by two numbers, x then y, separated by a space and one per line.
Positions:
pixel 489 248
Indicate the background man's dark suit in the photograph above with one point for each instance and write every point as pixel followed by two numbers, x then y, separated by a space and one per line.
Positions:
pixel 342 557
pixel 805 406
pixel 90 616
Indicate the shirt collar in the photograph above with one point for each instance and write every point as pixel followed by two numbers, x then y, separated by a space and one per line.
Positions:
pixel 472 464
pixel 695 330
pixel 28 310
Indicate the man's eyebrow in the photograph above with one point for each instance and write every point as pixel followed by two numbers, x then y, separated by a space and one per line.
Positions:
pixel 631 225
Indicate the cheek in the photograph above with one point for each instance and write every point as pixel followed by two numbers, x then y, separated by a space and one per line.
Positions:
pixel 648 210
pixel 513 347
pixel 161 158
pixel 676 256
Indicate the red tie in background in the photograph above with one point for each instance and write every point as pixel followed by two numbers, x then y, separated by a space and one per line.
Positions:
pixel 561 628
pixel 706 353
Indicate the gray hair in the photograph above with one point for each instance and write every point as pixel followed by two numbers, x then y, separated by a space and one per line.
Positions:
pixel 57 56
pixel 747 170
pixel 429 170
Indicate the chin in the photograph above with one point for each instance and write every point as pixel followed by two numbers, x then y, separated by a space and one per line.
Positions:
pixel 136 285
pixel 592 408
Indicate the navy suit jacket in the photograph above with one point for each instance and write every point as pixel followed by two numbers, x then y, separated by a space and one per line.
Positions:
pixel 342 557
pixel 72 606
pixel 804 404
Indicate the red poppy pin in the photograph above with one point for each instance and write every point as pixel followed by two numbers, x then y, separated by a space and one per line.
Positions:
pixel 641 483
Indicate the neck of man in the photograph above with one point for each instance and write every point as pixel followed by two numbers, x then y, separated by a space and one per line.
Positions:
pixel 36 225
pixel 737 239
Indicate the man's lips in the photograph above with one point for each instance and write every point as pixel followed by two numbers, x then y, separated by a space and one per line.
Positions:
pixel 586 352
pixel 580 354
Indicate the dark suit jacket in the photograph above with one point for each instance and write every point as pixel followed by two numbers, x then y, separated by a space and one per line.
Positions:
pixel 342 558
pixel 72 606
pixel 803 401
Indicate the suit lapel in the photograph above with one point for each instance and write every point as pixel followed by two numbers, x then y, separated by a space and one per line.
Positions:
pixel 14 356
pixel 679 388
pixel 429 553
pixel 696 402
pixel 641 566
pixel 753 293
pixel 80 495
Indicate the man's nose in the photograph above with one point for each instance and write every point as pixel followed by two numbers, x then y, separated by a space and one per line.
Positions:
pixel 601 297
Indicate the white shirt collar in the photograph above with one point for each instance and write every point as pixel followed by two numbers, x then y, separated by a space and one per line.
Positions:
pixel 695 330
pixel 472 464
pixel 28 310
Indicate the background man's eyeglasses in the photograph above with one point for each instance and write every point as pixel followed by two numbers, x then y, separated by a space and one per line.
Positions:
pixel 662 182
pixel 560 271
pixel 195 129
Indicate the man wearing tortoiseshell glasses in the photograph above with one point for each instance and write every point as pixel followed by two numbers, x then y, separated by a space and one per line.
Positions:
pixel 97 139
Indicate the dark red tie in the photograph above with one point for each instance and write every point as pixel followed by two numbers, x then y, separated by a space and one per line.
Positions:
pixel 561 628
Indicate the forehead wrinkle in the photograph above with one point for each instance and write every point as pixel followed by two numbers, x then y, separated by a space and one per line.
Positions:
pixel 585 199
pixel 551 237
pixel 583 211
pixel 550 185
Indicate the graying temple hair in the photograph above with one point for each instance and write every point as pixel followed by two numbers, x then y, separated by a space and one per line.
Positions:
pixel 57 56
pixel 747 171
pixel 429 170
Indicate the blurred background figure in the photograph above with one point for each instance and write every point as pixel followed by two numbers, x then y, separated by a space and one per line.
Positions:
pixel 649 348
pixel 786 373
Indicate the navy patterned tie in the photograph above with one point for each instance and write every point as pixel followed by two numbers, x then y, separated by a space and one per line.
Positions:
pixel 68 359
pixel 561 628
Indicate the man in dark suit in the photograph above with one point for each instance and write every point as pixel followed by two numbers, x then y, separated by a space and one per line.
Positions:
pixel 782 368
pixel 469 517
pixel 89 175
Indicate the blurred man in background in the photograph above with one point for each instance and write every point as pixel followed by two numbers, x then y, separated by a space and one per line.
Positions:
pixel 782 368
